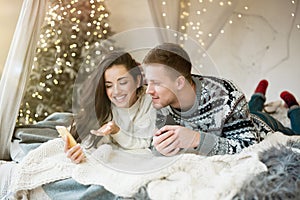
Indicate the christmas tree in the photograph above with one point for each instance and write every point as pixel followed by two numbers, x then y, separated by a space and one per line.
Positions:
pixel 74 34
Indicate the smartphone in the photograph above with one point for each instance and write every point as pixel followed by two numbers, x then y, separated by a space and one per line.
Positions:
pixel 64 132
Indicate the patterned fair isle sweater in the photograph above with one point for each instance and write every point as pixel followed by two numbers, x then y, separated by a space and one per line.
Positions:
pixel 221 115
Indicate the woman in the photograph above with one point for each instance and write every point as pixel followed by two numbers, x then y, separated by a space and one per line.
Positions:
pixel 113 99
pixel 117 104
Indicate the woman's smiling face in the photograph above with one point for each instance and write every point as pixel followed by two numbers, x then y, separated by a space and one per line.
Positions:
pixel 120 86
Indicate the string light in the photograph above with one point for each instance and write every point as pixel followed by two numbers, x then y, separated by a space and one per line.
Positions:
pixel 193 25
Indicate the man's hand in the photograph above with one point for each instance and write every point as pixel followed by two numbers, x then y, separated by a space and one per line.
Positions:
pixel 170 139
pixel 107 129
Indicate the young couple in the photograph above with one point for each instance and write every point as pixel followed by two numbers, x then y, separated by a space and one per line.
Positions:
pixel 200 114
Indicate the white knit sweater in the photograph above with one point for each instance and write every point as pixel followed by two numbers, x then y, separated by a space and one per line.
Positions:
pixel 137 124
pixel 124 172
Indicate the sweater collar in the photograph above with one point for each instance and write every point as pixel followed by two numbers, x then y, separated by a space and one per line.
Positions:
pixel 198 89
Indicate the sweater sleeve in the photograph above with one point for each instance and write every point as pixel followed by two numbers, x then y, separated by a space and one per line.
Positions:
pixel 237 133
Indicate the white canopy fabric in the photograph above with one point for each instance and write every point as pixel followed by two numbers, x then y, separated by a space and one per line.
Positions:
pixel 17 69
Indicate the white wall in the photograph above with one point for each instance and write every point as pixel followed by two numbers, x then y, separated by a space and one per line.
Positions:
pixel 125 17
pixel 9 13
pixel 129 14
pixel 263 43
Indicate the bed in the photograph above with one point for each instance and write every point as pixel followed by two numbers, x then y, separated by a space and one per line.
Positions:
pixel 43 171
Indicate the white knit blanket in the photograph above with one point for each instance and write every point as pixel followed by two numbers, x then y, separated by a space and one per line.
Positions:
pixel 43 165
pixel 185 176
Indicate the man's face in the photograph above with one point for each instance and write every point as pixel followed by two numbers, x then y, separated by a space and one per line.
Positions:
pixel 161 86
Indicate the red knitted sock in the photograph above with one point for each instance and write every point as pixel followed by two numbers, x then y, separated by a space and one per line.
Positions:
pixel 262 87
pixel 288 98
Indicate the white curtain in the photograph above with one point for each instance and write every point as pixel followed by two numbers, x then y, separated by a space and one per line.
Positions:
pixel 17 68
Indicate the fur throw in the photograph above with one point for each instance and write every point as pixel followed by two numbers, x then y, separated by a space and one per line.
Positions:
pixel 281 181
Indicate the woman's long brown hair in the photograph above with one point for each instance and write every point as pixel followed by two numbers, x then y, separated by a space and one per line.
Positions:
pixel 94 105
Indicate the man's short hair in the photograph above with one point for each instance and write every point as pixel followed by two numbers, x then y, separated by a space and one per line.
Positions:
pixel 171 55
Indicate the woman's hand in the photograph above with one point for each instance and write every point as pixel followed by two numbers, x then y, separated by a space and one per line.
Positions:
pixel 75 153
pixel 107 129
pixel 170 139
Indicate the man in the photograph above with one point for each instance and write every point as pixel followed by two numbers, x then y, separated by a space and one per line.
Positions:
pixel 208 115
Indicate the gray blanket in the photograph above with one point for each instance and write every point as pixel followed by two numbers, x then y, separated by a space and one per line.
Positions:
pixel 29 137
